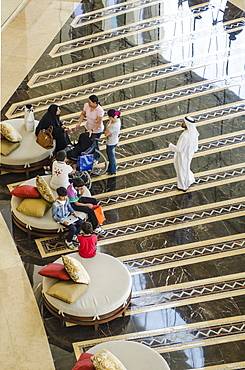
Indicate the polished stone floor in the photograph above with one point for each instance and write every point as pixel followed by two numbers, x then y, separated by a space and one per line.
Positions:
pixel 156 61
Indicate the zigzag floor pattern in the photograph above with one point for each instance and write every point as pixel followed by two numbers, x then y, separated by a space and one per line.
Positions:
pixel 134 28
pixel 185 336
pixel 187 253
pixel 187 293
pixel 162 189
pixel 164 156
pixel 167 126
pixel 132 229
pixel 119 32
pixel 160 223
pixel 136 104
pixel 107 12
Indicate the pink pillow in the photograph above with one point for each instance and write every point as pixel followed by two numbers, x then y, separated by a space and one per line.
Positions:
pixel 26 191
pixel 84 362
pixel 55 270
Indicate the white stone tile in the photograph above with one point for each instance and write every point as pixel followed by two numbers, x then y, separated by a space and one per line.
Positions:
pixel 9 256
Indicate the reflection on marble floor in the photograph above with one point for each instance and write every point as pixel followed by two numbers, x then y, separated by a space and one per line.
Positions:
pixel 156 61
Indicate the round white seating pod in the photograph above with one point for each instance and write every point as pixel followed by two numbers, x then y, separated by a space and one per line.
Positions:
pixel 107 297
pixel 39 226
pixel 29 156
pixel 133 355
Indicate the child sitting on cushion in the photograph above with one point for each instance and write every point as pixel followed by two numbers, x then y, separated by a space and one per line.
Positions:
pixel 60 171
pixel 61 209
pixel 80 203
pixel 88 241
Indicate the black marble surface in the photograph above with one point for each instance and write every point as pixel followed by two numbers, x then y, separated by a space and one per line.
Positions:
pixel 61 337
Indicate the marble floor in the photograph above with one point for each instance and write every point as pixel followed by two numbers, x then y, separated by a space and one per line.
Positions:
pixel 155 61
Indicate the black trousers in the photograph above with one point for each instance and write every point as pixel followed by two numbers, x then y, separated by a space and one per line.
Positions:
pixel 91 215
pixel 62 139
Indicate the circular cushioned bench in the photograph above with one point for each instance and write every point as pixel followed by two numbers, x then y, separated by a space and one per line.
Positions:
pixel 29 156
pixel 39 226
pixel 133 355
pixel 107 297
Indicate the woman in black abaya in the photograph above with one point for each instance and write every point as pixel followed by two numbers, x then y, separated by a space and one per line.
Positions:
pixel 60 131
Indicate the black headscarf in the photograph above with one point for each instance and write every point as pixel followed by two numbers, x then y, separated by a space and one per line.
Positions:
pixel 50 118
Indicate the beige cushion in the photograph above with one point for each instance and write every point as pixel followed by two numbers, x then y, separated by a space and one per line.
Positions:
pixel 10 133
pixel 33 207
pixel 67 291
pixel 44 189
pixel 105 360
pixel 8 147
pixel 76 270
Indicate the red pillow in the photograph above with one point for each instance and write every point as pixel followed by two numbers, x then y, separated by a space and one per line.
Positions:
pixel 26 191
pixel 55 270
pixel 84 362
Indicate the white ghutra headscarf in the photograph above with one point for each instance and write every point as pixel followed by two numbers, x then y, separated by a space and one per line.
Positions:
pixel 193 134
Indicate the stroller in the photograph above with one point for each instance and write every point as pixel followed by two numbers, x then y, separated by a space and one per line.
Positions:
pixel 82 153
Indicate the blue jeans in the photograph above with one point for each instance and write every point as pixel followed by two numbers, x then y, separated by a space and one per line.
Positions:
pixel 110 151
pixel 96 136
pixel 74 229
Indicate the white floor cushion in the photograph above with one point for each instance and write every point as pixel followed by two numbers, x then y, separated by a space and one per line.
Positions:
pixel 109 288
pixel 29 151
pixel 133 355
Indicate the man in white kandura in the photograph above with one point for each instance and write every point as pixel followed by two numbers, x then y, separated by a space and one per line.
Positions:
pixel 186 146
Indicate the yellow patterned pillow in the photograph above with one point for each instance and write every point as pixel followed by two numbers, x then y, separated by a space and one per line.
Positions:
pixel 7 147
pixel 76 270
pixel 33 207
pixel 67 291
pixel 44 189
pixel 10 133
pixel 105 360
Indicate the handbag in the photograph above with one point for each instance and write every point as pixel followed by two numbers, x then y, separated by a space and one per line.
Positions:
pixel 45 138
pixel 98 211
pixel 85 162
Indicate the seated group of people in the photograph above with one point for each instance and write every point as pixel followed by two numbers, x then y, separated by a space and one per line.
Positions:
pixel 70 199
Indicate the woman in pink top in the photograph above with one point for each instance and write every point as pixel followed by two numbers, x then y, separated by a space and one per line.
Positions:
pixel 94 125
pixel 88 241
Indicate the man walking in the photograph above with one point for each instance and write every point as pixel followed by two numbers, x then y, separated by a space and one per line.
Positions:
pixel 186 146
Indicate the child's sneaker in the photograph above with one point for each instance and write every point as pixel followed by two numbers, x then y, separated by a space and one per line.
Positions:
pixel 75 239
pixel 70 245
pixel 100 231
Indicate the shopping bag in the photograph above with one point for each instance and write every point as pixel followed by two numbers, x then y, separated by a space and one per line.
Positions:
pixel 45 138
pixel 98 211
pixel 85 162
pixel 29 120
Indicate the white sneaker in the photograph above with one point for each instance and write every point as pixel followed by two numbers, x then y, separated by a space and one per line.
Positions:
pixel 70 245
pixel 100 231
pixel 75 239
